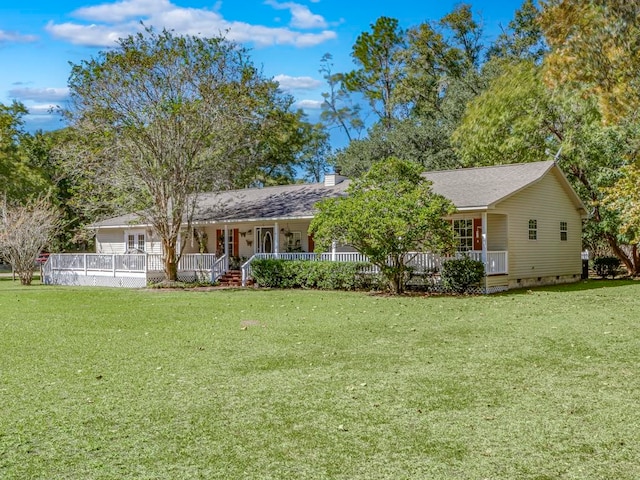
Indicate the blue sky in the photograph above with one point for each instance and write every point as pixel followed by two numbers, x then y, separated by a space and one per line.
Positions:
pixel 286 38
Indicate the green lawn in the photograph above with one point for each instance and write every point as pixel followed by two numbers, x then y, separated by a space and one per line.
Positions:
pixel 246 384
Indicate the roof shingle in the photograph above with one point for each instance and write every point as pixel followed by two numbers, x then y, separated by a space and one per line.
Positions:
pixel 468 189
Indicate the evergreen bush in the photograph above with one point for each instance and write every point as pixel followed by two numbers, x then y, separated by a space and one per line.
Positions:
pixel 459 274
pixel 606 266
pixel 277 273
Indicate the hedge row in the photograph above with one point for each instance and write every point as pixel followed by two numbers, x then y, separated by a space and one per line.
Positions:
pixel 310 274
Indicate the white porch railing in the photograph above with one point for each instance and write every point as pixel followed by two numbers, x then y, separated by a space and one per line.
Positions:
pixel 122 266
pixel 220 266
pixel 191 261
pixel 422 262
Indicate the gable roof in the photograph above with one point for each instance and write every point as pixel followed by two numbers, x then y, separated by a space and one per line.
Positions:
pixel 468 188
pixel 483 187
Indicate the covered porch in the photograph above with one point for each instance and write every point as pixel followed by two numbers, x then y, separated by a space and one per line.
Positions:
pixel 213 249
pixel 138 270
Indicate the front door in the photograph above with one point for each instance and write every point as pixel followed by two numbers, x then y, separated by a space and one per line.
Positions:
pixel 477 235
pixel 264 237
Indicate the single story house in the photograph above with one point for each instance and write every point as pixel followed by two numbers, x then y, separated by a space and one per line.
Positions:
pixel 523 220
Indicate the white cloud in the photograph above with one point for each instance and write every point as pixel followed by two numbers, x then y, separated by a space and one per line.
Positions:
pixel 40 94
pixel 310 104
pixel 15 37
pixel 124 10
pixel 90 35
pixel 301 16
pixel 120 19
pixel 42 109
pixel 288 83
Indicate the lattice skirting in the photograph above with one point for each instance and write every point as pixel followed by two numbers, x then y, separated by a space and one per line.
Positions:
pixel 433 284
pixel 96 281
pixel 183 276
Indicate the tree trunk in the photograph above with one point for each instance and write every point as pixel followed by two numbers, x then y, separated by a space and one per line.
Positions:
pixel 169 260
pixel 397 275
pixel 631 263
pixel 26 277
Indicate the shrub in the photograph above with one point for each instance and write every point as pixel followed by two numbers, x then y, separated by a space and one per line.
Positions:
pixel 459 274
pixel 267 272
pixel 606 266
pixel 310 274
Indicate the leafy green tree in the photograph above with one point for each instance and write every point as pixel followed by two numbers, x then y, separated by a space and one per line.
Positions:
pixel 523 38
pixel 40 150
pixel 436 69
pixel 424 142
pixel 315 157
pixel 466 35
pixel 511 121
pixel 387 213
pixel 18 179
pixel 595 50
pixel 380 68
pixel 162 117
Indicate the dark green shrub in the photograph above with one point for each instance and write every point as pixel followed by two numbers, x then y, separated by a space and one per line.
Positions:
pixel 310 274
pixel 459 274
pixel 267 272
pixel 606 266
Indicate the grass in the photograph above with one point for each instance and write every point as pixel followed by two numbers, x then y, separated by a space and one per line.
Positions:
pixel 152 384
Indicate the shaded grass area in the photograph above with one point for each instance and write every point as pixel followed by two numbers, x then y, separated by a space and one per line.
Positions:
pixel 106 383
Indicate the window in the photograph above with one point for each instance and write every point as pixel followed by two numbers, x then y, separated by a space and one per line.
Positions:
pixel 563 231
pixel 135 242
pixel 533 229
pixel 294 241
pixel 230 240
pixel 464 234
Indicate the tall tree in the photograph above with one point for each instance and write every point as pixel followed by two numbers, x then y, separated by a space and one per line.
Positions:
pixel 511 121
pixel 18 179
pixel 337 108
pixel 438 73
pixel 165 117
pixel 388 213
pixel 315 157
pixel 523 38
pixel 380 69
pixel 465 34
pixel 423 141
pixel 595 49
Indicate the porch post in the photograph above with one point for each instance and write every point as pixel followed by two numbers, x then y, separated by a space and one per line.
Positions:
pixel 276 239
pixel 484 238
pixel 333 250
pixel 484 251
pixel 226 240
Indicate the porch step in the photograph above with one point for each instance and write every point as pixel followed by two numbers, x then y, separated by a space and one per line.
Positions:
pixel 233 278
